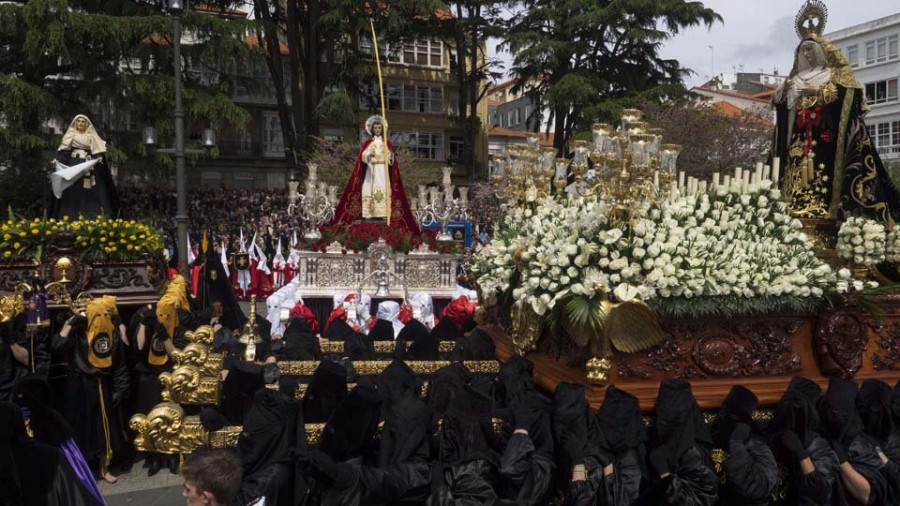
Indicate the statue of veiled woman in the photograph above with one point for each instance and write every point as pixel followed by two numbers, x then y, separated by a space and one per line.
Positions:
pixel 831 167
pixel 82 183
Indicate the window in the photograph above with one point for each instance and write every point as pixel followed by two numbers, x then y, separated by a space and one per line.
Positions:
pixel 425 145
pixel 404 97
pixel 514 116
pixel 883 49
pixel 245 144
pixel 273 142
pixel 886 137
pixel 428 53
pixel 881 92
pixel 853 55
pixel 456 147
pixel 453 109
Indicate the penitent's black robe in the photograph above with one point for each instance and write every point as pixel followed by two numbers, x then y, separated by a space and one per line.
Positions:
pixel 873 404
pixel 92 395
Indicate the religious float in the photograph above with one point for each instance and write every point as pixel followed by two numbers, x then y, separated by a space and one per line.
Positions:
pixel 635 273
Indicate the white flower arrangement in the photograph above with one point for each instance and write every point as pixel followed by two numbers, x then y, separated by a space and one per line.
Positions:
pixel 716 244
pixel 892 246
pixel 862 241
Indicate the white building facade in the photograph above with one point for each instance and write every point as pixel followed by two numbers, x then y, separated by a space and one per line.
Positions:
pixel 873 50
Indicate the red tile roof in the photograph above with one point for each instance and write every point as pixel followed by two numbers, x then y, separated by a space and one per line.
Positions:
pixel 732 93
pixel 546 139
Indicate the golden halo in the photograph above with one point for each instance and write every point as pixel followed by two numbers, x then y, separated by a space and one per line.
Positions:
pixel 811 19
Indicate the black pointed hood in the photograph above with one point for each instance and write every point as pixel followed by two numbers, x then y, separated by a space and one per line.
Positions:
pixel 326 390
pixel 679 421
pixel 797 410
pixel 299 341
pixel 272 430
pixel 620 422
pixel 408 427
pixel 873 405
pixel 738 407
pixel 350 430
pixel 837 408
pixel 419 343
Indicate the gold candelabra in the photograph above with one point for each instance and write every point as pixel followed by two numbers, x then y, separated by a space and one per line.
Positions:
pixel 624 166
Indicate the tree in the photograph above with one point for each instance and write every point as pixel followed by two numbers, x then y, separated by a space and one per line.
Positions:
pixel 112 60
pixel 711 141
pixel 319 39
pixel 468 24
pixel 589 58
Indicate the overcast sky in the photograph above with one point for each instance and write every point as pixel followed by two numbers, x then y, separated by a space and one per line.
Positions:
pixel 758 34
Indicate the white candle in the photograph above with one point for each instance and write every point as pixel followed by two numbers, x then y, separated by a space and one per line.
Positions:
pixel 715 181
pixel 759 171
pixel 656 179
pixel 776 165
pixel 746 179
pixel 727 182
pixel 673 191
pixel 681 180
pixel 702 188
pixel 767 172
pixel 737 173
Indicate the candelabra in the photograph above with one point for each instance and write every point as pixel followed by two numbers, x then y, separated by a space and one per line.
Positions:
pixel 314 208
pixel 630 165
pixel 441 206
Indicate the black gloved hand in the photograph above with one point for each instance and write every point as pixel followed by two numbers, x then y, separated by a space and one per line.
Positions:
pixel 659 459
pixel 839 451
pixel 740 433
pixel 161 333
pixel 148 317
pixel 792 442
pixel 525 412
pixel 271 373
pixel 321 462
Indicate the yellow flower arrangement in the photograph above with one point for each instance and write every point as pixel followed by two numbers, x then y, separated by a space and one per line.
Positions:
pixel 102 239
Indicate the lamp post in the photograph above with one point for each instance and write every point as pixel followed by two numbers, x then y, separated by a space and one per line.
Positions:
pixel 176 8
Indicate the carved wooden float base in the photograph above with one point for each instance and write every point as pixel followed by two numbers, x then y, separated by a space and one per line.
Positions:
pixel 761 353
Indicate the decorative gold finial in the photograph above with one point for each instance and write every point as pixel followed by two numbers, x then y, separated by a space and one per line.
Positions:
pixel 811 19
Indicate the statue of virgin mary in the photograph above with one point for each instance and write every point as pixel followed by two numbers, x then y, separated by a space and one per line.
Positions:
pixel 831 167
pixel 375 191
pixel 81 181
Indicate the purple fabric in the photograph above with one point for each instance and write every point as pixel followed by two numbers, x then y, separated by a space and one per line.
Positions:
pixel 73 455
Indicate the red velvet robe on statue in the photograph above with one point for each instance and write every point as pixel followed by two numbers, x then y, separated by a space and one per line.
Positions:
pixel 349 209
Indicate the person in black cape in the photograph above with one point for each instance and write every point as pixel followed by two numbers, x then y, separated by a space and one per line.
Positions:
pixel 892 448
pixel 383 330
pixel 621 442
pixel 681 450
pixel 526 464
pixel 73 483
pixel 338 330
pixel 414 342
pixel 581 465
pixel 97 383
pixel 859 463
pixel 14 359
pixel 273 436
pixel 873 405
pixel 446 330
pixel 477 345
pixel 750 468
pixel 326 390
pixel 467 446
pixel 28 469
pixel 299 342
pixel 795 436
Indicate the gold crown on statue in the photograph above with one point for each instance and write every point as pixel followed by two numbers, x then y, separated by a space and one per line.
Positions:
pixel 811 19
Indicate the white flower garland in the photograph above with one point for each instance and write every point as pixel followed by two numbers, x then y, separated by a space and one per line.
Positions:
pixel 892 247
pixel 719 243
pixel 862 241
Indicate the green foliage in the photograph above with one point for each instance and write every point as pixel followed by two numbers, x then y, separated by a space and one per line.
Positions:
pixel 590 58
pixel 110 60
pixel 728 306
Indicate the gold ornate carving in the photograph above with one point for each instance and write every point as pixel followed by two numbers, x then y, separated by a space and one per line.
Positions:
pixel 381 347
pixel 598 370
pixel 370 367
pixel 526 328
pixel 167 430
pixel 199 355
pixel 226 437
pixel 187 385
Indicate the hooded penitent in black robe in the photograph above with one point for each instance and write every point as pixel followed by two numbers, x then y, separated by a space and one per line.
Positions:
pixel 622 439
pixel 326 390
pixel 574 427
pixel 477 345
pixel 794 435
pixel 299 342
pixel 443 385
pixel 446 330
pixel 414 342
pixel 750 469
pixel 93 394
pixel 892 449
pixel 401 473
pixel 383 330
pixel 11 370
pixel 28 469
pixel 273 434
pixel 873 405
pixel 844 429
pixel 526 465
pixel 682 447
pixel 338 330
pixel 467 456
pixel 74 484
pixel 239 389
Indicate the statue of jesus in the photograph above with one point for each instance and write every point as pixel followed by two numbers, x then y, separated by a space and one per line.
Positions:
pixel 375 191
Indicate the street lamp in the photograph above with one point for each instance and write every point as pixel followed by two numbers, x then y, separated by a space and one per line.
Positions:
pixel 176 7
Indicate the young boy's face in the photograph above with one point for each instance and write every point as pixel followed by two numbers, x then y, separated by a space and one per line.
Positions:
pixel 194 496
